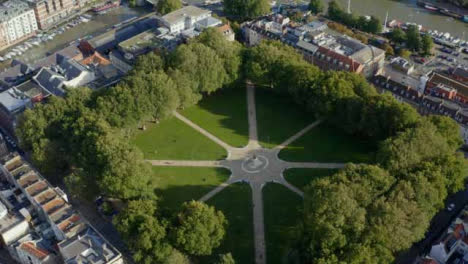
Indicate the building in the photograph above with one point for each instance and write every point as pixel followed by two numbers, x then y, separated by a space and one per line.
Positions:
pixel 452 247
pixel 227 32
pixel 446 87
pixel 325 48
pixel 460 74
pixel 16 99
pixel 60 235
pixel 402 65
pixel 51 12
pixel 68 73
pixel 17 23
pixel 185 18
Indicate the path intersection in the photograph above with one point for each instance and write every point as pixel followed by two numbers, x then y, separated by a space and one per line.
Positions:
pixel 252 164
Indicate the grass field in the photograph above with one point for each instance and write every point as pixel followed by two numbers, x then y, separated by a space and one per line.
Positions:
pixel 223 114
pixel 175 185
pixel 278 118
pixel 302 177
pixel 282 211
pixel 236 203
pixel 326 144
pixel 172 139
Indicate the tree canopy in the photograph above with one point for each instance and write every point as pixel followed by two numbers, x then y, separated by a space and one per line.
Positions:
pixel 166 6
pixel 244 9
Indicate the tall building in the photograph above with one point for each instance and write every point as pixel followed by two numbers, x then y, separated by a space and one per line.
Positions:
pixel 17 22
pixel 50 12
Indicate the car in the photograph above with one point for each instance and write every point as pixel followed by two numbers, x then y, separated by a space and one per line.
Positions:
pixel 443 57
pixel 450 207
pixel 451 59
pixel 465 50
pixel 447 50
pixel 456 54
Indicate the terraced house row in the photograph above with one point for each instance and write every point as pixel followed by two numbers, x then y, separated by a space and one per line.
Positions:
pixel 38 225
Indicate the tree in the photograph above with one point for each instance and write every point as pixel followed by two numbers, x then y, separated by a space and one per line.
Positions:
pixel 246 9
pixel 404 53
pixel 413 39
pixel 166 6
pixel 144 234
pixel 426 45
pixel 398 36
pixel 226 259
pixel 198 228
pixel 316 6
pixel 374 25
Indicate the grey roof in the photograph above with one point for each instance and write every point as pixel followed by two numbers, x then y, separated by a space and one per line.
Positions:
pixel 11 9
pixel 71 69
pixel 86 248
pixel 13 102
pixel 187 11
pixel 15 74
pixel 307 46
pixel 50 81
pixel 209 22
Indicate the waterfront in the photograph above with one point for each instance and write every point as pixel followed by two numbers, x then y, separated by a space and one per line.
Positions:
pixel 407 11
pixel 97 25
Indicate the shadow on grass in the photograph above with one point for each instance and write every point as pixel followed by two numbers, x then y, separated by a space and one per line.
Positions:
pixel 325 143
pixel 228 120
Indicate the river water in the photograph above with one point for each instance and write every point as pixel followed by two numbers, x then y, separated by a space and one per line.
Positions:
pixel 97 25
pixel 407 11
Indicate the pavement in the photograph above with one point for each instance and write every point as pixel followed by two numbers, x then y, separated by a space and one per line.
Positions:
pixel 252 164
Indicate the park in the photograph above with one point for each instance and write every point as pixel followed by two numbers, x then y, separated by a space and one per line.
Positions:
pixel 249 152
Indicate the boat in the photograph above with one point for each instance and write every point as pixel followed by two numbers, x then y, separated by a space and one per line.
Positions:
pixel 450 13
pixel 431 8
pixel 108 5
pixel 2 59
pixel 465 18
pixel 8 56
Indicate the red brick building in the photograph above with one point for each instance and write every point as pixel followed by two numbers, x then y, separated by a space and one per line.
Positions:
pixel 447 87
pixel 50 12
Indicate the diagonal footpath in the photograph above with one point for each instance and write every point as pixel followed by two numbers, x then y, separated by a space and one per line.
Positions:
pixel 296 136
pixel 203 131
pixel 252 114
pixel 313 165
pixel 291 187
pixel 216 190
pixel 186 163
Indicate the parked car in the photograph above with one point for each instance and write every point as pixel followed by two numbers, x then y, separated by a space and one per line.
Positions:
pixel 450 207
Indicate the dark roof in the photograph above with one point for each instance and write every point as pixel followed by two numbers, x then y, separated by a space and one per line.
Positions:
pixel 70 68
pixel 50 81
pixel 15 74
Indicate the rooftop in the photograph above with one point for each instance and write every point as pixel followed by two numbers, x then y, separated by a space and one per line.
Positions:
pixel 181 14
pixel 11 9
pixel 87 247
pixel 139 43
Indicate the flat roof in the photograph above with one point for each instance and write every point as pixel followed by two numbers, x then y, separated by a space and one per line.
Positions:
pixel 187 11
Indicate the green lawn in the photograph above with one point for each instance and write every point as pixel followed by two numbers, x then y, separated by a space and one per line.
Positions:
pixel 236 203
pixel 278 117
pixel 326 144
pixel 172 139
pixel 224 114
pixel 282 211
pixel 175 185
pixel 302 177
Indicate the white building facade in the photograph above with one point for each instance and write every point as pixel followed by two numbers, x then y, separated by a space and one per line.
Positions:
pixel 17 22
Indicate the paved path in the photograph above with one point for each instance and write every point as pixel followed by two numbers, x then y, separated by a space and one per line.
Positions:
pixel 314 165
pixel 252 164
pixel 258 222
pixel 186 163
pixel 203 131
pixel 297 135
pixel 252 110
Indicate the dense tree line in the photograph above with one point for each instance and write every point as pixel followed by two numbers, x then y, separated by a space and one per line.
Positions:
pixel 85 137
pixel 242 10
pixel 365 213
pixel 413 40
pixel 338 14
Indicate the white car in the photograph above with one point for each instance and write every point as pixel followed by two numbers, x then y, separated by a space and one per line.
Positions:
pixel 450 207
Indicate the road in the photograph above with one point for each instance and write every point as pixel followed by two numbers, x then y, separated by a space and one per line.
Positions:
pixel 439 225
